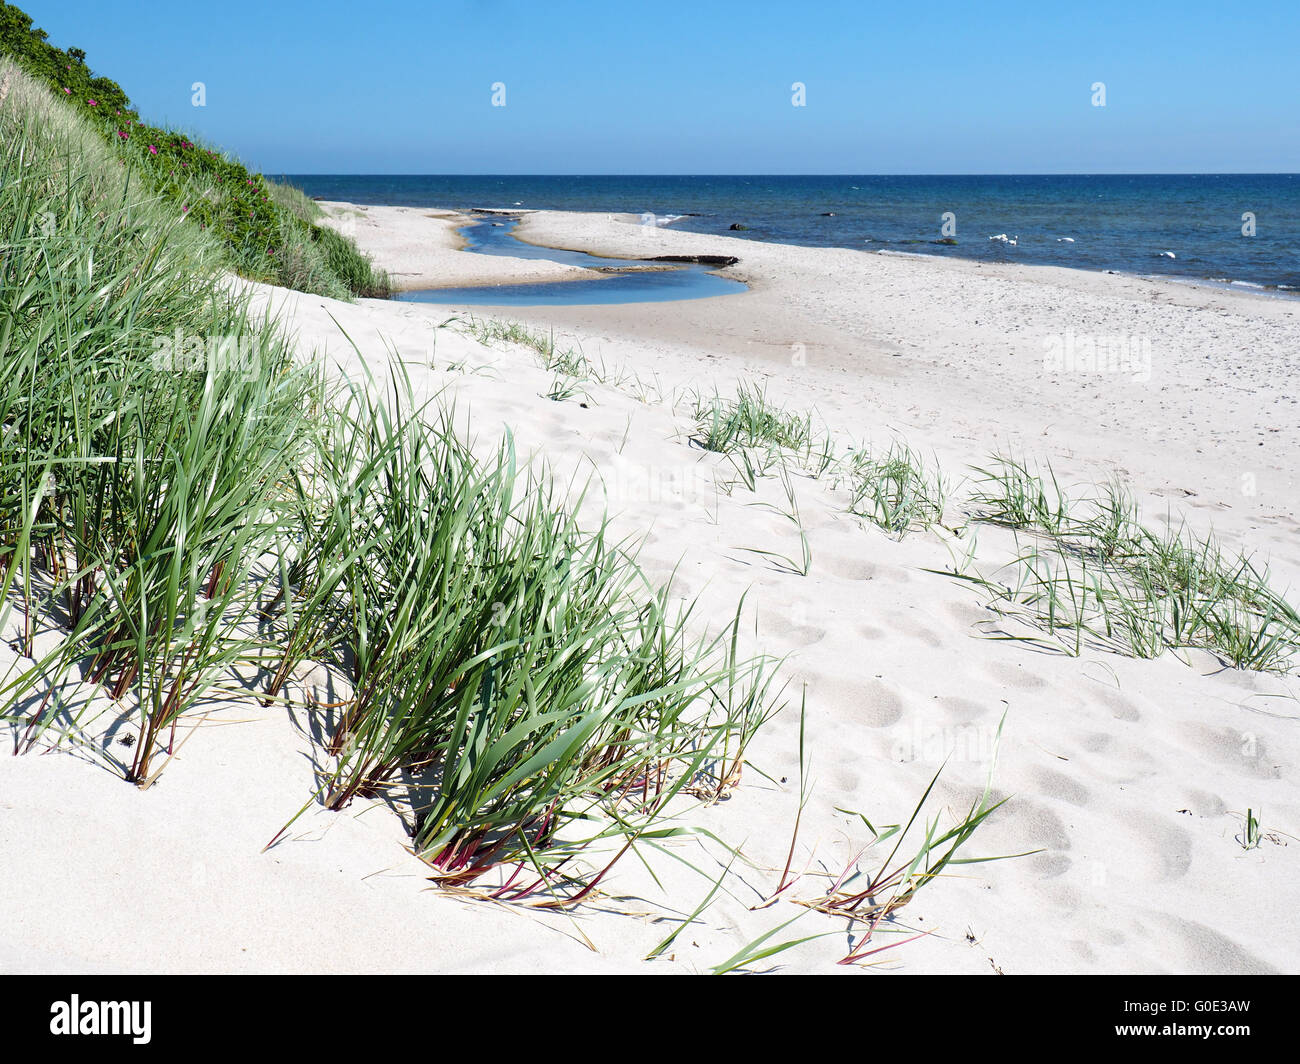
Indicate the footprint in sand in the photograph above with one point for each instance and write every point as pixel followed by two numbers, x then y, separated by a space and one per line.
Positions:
pixel 1205 803
pixel 1015 676
pixel 964 709
pixel 905 622
pixel 793 627
pixel 1097 742
pixel 871 703
pixel 846 566
pixel 1196 949
pixel 1035 827
pixel 1161 849
pixel 1056 784
pixel 966 614
pixel 1121 706
pixel 1243 752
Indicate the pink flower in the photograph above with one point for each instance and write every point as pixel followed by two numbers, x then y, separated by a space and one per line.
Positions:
pixel 123 134
pixel 153 150
pixel 92 103
pixel 68 91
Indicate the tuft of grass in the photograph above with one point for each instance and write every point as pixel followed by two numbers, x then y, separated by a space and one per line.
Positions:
pixel 895 491
pixel 515 675
pixel 1010 494
pixel 873 897
pixel 751 419
pixel 1101 579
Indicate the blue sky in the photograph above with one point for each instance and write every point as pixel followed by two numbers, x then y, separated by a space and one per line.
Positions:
pixel 399 86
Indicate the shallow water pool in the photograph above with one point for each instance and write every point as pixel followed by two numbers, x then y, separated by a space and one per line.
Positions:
pixel 636 281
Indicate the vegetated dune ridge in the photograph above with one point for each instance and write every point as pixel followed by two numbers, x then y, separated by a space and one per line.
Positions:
pixel 1130 778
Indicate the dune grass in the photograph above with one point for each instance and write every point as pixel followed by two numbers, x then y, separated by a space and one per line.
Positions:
pixel 1092 575
pixel 148 423
pixel 750 419
pixel 515 674
pixel 895 491
pixel 292 199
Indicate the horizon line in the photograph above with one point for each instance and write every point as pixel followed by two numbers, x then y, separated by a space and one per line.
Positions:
pixel 1001 173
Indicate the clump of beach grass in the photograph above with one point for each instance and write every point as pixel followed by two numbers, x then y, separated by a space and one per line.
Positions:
pixel 1101 579
pixel 1008 493
pixel 520 667
pixel 748 420
pixel 148 424
pixel 895 491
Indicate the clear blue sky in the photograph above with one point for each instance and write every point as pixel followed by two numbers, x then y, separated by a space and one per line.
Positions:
pixel 618 86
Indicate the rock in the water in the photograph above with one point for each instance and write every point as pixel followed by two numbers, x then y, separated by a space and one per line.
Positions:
pixel 736 227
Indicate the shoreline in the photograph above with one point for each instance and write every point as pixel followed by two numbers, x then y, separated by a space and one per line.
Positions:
pixel 466 216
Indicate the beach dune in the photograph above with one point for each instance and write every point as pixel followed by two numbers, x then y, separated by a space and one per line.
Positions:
pixel 1126 781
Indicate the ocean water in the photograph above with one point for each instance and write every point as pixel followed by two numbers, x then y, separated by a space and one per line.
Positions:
pixel 1182 225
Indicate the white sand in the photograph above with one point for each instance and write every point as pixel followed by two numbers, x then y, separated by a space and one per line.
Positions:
pixel 421 248
pixel 1129 776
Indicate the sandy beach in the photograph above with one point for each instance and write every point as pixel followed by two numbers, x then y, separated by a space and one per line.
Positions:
pixel 1127 781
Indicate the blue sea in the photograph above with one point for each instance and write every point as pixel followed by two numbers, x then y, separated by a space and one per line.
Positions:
pixel 1185 225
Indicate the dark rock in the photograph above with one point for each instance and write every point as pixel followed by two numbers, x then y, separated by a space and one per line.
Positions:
pixel 700 260
pixel 736 227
